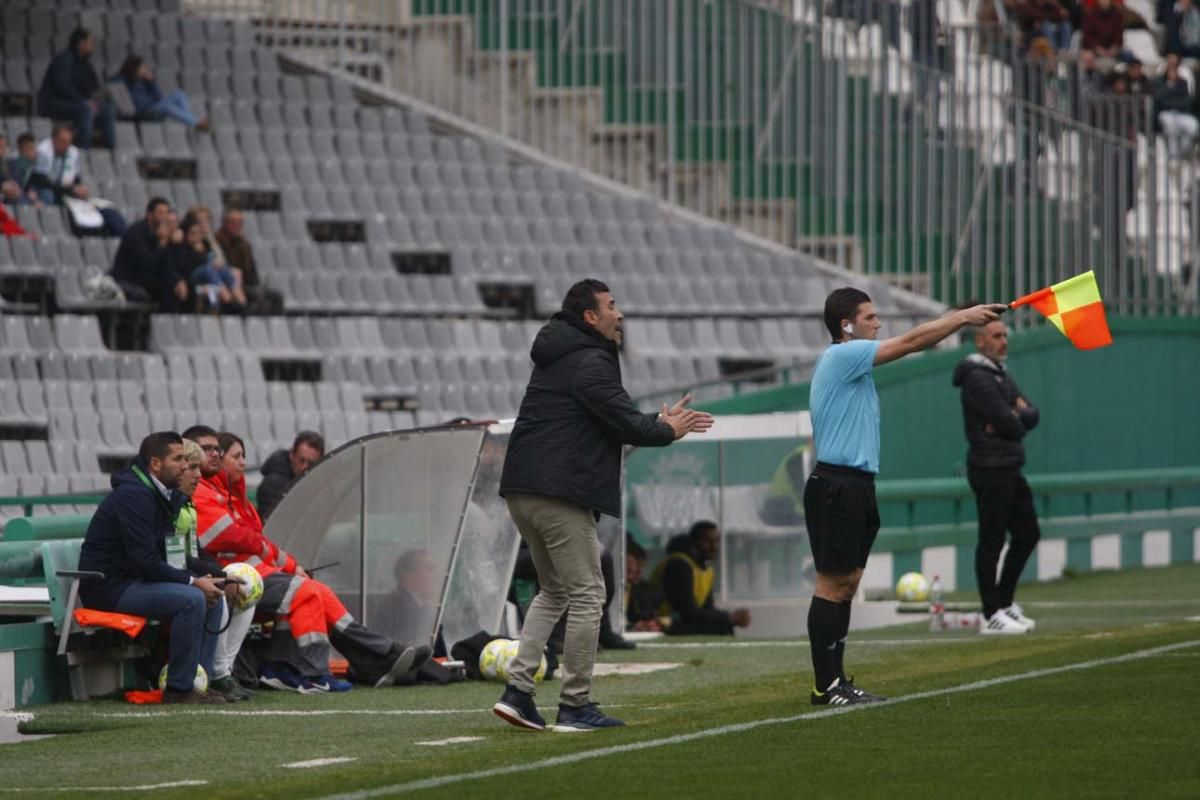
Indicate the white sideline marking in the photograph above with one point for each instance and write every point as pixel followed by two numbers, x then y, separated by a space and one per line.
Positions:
pixel 365 712
pixel 1109 603
pixel 451 740
pixel 146 787
pixel 601 752
pixel 634 667
pixel 318 762
pixel 797 643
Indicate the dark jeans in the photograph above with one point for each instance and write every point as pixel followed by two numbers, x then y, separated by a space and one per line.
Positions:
pixel 84 118
pixel 184 607
pixel 1005 505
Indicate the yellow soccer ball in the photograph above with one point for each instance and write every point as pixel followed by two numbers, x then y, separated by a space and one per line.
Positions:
pixel 913 587
pixel 497 657
pixel 251 589
pixel 200 684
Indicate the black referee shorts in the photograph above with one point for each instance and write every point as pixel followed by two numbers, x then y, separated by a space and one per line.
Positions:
pixel 842 517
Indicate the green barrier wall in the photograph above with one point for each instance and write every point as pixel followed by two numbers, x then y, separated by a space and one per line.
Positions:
pixel 1132 405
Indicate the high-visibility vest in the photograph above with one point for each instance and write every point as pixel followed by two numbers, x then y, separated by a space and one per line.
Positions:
pixel 702 580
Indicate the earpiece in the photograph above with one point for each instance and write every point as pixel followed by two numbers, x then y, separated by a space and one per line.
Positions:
pixel 848 329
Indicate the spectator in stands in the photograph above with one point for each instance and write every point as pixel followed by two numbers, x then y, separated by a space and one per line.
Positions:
pixel 21 166
pixel 1183 29
pixel 1173 110
pixel 284 466
pixel 1103 29
pixel 230 529
pixel 149 102
pixel 215 282
pixel 234 624
pixel 642 598
pixel 144 266
pixel 686 577
pixel 240 255
pixel 1045 18
pixel 1031 78
pixel 1135 76
pixel 56 176
pixel 10 187
pixel 126 541
pixel 72 91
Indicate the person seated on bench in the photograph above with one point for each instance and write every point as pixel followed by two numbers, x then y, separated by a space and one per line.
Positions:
pixel 686 578
pixel 230 529
pixel 126 541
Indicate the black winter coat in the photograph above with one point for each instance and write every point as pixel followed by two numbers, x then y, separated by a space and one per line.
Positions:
pixel 989 396
pixel 573 420
pixel 126 540
pixel 277 476
pixel 69 79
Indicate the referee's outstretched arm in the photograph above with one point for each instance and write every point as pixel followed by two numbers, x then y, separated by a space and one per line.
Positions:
pixel 927 335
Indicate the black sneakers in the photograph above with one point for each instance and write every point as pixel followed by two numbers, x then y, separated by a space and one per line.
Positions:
pixel 517 708
pixel 842 694
pixel 575 719
pixel 863 694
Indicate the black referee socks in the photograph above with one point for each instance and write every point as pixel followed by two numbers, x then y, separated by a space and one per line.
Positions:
pixel 825 631
pixel 843 631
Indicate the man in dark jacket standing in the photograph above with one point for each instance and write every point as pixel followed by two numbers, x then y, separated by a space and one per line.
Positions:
pixel 996 417
pixel 284 466
pixel 126 541
pixel 562 470
pixel 71 91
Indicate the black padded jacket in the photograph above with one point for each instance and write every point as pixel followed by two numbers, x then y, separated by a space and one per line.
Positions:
pixel 989 397
pixel 574 419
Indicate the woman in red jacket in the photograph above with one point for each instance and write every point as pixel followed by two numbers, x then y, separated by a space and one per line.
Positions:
pixel 229 529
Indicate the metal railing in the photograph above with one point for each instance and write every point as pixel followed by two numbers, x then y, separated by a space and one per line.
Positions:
pixel 897 139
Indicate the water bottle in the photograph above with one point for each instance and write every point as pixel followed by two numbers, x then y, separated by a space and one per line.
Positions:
pixel 962 620
pixel 937 606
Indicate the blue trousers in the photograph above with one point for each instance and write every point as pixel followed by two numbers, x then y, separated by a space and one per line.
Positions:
pixel 184 607
pixel 176 106
pixel 84 118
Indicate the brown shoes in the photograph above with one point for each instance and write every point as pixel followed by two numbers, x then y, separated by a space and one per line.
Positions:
pixel 192 698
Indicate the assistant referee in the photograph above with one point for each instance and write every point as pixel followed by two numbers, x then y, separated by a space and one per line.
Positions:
pixel 840 510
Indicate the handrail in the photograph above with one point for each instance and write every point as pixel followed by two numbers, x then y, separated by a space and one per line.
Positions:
pixel 1048 483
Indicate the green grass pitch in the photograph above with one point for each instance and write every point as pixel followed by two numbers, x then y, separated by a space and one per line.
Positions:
pixel 1056 713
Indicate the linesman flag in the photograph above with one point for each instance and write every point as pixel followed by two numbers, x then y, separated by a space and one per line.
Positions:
pixel 1075 309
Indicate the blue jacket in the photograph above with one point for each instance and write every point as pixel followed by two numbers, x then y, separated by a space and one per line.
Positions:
pixel 126 539
pixel 145 95
pixel 68 80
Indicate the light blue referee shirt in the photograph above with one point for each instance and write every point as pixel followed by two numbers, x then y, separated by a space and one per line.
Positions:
pixel 845 407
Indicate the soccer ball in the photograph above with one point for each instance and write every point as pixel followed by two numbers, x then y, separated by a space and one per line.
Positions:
pixel 912 587
pixel 497 656
pixel 251 589
pixel 200 684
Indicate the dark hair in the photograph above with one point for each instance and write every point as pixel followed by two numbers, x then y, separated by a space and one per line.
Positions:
pixel 582 296
pixel 59 127
pixel 157 445
pixel 130 67
pixel 842 304
pixel 25 137
pixel 634 549
pixel 700 528
pixel 198 432
pixel 310 438
pixel 154 203
pixel 77 36
pixel 226 440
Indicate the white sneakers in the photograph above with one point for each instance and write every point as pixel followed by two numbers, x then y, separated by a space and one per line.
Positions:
pixel 1006 621
pixel 1015 612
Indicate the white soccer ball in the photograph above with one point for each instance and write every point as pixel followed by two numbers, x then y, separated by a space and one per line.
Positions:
pixel 200 684
pixel 497 657
pixel 251 589
pixel 913 587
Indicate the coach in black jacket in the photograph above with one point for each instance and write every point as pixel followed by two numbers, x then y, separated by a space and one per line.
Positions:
pixel 996 417
pixel 126 541
pixel 562 470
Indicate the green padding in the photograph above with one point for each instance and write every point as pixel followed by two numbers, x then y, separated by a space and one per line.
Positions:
pixel 1079 555
pixel 898 539
pixel 964 562
pixel 47 528
pixel 1183 546
pixel 905 561
pixel 1131 550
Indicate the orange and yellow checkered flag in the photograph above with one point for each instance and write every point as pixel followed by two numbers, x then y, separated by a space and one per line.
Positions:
pixel 1074 307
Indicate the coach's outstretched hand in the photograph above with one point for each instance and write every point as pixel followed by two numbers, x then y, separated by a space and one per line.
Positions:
pixel 684 420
